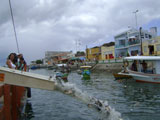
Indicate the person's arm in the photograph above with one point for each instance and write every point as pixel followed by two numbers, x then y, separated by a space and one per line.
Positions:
pixel 9 64
pixel 25 67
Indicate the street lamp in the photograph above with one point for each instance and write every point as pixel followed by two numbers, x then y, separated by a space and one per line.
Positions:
pixel 135 12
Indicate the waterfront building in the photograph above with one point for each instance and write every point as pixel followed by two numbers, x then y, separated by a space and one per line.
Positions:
pixel 129 42
pixel 62 57
pixel 108 51
pixel 94 53
pixel 152 47
pixel 55 56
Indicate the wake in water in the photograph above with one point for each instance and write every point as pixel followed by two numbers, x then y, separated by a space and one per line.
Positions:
pixel 108 113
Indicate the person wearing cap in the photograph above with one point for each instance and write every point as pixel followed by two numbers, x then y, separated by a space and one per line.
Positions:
pixel 21 63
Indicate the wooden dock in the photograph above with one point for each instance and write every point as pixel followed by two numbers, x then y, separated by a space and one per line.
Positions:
pixel 11 101
pixel 12 90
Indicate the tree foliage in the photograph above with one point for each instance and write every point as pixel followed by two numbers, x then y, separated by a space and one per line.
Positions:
pixel 39 61
pixel 80 53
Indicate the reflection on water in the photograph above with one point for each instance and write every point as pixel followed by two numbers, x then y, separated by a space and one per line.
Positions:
pixel 135 101
pixel 28 111
pixel 87 82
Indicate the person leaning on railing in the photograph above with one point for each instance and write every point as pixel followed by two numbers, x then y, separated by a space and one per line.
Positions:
pixel 11 61
pixel 22 65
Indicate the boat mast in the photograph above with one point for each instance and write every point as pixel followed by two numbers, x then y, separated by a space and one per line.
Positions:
pixel 14 25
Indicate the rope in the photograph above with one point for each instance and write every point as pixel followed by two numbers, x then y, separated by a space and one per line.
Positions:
pixel 14 25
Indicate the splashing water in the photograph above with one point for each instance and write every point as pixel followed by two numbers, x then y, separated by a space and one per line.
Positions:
pixel 107 112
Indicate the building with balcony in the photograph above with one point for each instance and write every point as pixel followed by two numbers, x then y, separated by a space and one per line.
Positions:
pixel 129 42
pixel 108 51
pixel 93 53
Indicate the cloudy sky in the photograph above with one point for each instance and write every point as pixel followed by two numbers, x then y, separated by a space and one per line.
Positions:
pixel 56 25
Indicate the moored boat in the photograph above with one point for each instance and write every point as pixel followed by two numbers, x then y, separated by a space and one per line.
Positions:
pixel 121 76
pixel 63 76
pixel 143 68
pixel 79 71
pixel 86 72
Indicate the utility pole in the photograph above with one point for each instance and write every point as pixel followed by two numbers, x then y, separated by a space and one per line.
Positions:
pixel 135 12
pixel 76 46
pixel 79 45
pixel 86 52
pixel 140 33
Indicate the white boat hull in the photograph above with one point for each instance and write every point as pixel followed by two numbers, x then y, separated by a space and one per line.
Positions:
pixel 147 79
pixel 143 77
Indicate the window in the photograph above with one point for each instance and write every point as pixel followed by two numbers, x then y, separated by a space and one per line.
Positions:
pixel 122 42
pixel 134 52
pixel 100 49
pixel 111 56
pixel 158 47
pixel 142 35
pixel 90 51
pixel 146 35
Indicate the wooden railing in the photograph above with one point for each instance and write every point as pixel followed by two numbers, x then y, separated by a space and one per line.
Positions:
pixel 11 101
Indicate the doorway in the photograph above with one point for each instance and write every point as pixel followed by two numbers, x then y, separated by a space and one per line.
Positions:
pixel 151 49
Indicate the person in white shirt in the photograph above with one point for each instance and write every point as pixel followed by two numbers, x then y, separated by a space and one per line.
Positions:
pixel 11 61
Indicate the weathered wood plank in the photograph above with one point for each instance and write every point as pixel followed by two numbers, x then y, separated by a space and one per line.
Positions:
pixel 2 77
pixel 26 79
pixel 1 91
pixel 7 103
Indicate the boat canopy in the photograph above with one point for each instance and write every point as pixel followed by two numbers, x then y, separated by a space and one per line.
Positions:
pixel 143 58
pixel 85 66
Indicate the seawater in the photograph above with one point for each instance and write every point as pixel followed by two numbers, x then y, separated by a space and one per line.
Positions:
pixel 134 101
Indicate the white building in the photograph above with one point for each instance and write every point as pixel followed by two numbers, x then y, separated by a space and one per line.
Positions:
pixel 129 42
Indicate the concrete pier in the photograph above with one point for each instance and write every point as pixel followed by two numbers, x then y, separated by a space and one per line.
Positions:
pixel 108 67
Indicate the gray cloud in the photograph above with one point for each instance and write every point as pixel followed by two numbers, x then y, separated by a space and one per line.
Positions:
pixel 56 24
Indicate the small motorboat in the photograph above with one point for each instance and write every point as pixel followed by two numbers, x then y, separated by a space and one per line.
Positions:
pixel 86 72
pixel 79 71
pixel 118 76
pixel 143 69
pixel 33 67
pixel 63 76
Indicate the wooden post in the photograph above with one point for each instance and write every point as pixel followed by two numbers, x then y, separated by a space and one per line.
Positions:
pixel 14 103
pixel 20 94
pixel 7 103
pixel 2 108
pixel 2 113
pixel 17 95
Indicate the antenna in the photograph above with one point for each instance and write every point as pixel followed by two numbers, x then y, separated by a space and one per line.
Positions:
pixel 13 25
pixel 135 12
